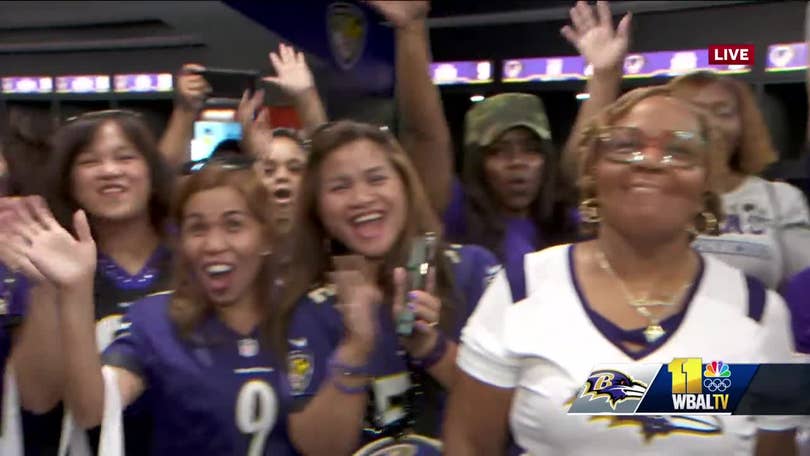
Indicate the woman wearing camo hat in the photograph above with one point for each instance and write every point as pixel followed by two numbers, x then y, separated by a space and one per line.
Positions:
pixel 511 201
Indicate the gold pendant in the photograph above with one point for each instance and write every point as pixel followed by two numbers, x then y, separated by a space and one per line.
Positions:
pixel 653 333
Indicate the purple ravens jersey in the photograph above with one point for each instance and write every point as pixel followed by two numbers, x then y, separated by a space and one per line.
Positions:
pixel 114 289
pixel 395 407
pixel 214 393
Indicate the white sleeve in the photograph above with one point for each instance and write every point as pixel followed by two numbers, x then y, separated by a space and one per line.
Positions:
pixel 777 347
pixel 483 353
pixel 794 224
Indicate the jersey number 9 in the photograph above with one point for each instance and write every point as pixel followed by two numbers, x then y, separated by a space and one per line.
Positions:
pixel 256 413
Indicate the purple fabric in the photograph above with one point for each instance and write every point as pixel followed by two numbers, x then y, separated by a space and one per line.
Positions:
pixel 316 329
pixel 194 385
pixel 520 238
pixel 797 295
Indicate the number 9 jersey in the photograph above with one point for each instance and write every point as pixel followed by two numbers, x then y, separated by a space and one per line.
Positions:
pixel 215 393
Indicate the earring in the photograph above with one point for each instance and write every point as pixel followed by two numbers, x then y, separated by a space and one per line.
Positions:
pixel 589 211
pixel 709 225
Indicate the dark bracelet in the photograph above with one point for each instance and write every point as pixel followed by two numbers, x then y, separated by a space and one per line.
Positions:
pixel 434 355
pixel 345 370
pixel 349 389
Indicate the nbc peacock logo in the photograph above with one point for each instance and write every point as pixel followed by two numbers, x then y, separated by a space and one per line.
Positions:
pixel 717 377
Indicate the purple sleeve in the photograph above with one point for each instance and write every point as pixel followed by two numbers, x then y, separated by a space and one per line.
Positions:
pixel 314 333
pixel 455 226
pixel 475 269
pixel 797 295
pixel 130 349
pixel 14 294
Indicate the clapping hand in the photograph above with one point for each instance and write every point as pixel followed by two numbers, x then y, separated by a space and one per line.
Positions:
pixel 45 249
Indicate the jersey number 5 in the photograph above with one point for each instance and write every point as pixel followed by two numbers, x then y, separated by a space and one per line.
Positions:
pixel 256 413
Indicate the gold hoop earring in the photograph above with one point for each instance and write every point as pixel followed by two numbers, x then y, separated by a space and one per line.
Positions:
pixel 589 211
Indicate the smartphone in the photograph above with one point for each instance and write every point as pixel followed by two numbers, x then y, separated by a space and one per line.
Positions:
pixel 420 262
pixel 227 83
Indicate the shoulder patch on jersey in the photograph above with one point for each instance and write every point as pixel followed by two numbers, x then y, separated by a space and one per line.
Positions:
pixel 300 367
pixel 322 294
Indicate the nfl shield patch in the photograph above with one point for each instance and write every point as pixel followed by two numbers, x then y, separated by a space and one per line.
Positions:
pixel 299 370
pixel 346 27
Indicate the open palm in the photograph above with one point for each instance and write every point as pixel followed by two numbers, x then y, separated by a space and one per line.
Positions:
pixel 594 37
pixel 401 13
pixel 54 252
pixel 293 75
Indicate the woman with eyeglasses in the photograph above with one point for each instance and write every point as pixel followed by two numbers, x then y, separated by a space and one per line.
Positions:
pixel 636 294
pixel 107 164
pixel 197 354
pixel 371 350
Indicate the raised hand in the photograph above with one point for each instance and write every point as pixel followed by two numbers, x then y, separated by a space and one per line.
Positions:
pixel 59 257
pixel 426 308
pixel 254 120
pixel 358 300
pixel 293 75
pixel 192 88
pixel 402 13
pixel 11 254
pixel 594 37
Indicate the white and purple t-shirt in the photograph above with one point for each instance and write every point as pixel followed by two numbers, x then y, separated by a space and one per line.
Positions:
pixel 316 329
pixel 217 392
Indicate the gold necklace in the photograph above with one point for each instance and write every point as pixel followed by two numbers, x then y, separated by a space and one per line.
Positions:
pixel 642 306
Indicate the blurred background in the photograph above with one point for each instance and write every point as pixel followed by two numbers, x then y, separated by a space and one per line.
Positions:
pixel 75 56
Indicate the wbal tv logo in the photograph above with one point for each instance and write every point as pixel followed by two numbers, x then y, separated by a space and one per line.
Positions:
pixel 696 387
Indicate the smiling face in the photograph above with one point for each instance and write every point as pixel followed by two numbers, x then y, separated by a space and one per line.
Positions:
pixel 223 243
pixel 513 169
pixel 361 198
pixel 110 177
pixel 647 199
pixel 280 168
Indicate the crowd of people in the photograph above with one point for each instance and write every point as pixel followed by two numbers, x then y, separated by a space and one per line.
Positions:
pixel 267 302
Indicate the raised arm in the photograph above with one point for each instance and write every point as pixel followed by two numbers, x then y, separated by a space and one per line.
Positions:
pixel 191 92
pixel 424 132
pixel 69 265
pixel 294 77
pixel 604 49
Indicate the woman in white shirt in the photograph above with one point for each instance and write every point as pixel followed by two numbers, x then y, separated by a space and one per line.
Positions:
pixel 766 231
pixel 638 293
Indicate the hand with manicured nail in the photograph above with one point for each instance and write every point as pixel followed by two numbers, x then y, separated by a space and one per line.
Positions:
pixel 427 311
pixel 358 301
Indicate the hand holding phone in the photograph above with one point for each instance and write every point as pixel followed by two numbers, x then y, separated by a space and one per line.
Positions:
pixel 420 263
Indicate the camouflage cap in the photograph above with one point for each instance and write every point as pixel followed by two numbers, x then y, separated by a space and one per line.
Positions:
pixel 490 118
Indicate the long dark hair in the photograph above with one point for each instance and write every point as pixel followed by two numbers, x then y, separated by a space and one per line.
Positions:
pixel 26 145
pixel 549 211
pixel 310 247
pixel 76 135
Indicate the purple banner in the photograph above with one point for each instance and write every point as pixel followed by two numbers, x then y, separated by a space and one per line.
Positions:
pixel 468 72
pixel 642 65
pixel 145 82
pixel 544 69
pixel 27 84
pixel 91 83
pixel 787 57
